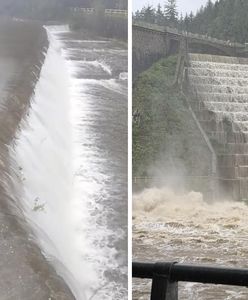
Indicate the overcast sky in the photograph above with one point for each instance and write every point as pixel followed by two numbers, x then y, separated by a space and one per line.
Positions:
pixel 183 5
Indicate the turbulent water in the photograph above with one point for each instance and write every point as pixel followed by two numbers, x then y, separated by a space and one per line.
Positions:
pixel 184 227
pixel 168 226
pixel 219 86
pixel 71 157
pixel 221 83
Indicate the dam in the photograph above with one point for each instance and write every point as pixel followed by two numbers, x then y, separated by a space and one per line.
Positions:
pixel 212 74
pixel 24 270
pixel 64 195
pixel 219 97
pixel 207 86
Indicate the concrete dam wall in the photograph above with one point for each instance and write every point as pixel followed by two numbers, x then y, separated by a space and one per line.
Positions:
pixel 64 112
pixel 219 97
pixel 152 42
pixel 25 272
pixel 148 47
pixel 218 94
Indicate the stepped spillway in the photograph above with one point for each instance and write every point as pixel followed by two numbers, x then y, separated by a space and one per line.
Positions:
pixel 219 96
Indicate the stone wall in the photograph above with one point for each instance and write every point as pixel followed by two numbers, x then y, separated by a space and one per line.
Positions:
pixel 150 44
pixel 148 47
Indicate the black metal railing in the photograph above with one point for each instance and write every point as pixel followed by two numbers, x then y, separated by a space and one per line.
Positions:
pixel 165 277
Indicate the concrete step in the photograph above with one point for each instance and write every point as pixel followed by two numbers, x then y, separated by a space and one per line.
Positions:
pixel 223 97
pixel 218 59
pixel 243 189
pixel 235 172
pixel 232 160
pixel 229 189
pixel 223 137
pixel 228 172
pixel 243 171
pixel 237 148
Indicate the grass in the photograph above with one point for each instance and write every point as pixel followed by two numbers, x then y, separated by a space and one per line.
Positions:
pixel 165 137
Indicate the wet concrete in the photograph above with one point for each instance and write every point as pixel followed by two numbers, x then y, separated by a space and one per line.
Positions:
pixel 24 271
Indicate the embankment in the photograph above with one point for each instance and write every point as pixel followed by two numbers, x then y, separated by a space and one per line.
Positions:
pixel 24 270
pixel 167 145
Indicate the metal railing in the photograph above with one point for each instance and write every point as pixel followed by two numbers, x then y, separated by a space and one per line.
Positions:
pixel 161 179
pixel 165 277
pixel 116 12
pixel 91 10
pixel 167 29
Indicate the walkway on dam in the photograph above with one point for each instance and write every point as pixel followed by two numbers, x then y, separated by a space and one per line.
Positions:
pixel 174 33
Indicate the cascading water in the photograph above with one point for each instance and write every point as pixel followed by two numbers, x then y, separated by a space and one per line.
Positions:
pixel 184 227
pixel 219 86
pixel 221 82
pixel 71 160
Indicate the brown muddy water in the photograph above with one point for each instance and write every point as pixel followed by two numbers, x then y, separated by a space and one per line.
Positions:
pixel 24 272
pixel 168 226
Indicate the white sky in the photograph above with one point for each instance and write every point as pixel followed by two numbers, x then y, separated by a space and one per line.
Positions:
pixel 182 5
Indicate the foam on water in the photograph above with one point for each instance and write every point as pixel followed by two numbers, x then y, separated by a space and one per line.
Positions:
pixel 172 226
pixel 63 178
pixel 110 84
pixel 123 76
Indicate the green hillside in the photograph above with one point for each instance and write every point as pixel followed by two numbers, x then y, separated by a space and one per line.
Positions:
pixel 166 140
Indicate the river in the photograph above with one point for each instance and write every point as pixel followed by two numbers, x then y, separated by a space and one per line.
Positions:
pixel 171 226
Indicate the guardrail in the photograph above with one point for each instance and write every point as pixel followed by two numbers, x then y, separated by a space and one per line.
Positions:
pixel 137 179
pixel 187 34
pixel 93 10
pixel 83 10
pixel 116 12
pixel 165 277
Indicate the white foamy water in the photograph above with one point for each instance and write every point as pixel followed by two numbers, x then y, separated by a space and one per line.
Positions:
pixel 215 79
pixel 65 176
pixel 169 226
pixel 218 86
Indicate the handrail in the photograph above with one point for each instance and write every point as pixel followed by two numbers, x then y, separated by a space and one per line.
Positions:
pixel 167 29
pixel 116 11
pixel 153 179
pixel 166 275
pixel 91 10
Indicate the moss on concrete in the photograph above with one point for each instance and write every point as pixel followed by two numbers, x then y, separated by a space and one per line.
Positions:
pixel 166 139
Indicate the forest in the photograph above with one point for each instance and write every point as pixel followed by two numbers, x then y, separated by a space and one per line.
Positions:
pixel 222 19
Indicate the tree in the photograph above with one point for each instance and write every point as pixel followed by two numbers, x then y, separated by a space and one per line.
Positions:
pixel 137 15
pixel 186 22
pixel 223 19
pixel 159 15
pixel 148 14
pixel 171 12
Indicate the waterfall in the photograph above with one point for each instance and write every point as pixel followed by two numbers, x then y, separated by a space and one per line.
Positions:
pixel 221 82
pixel 63 184
pixel 220 85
